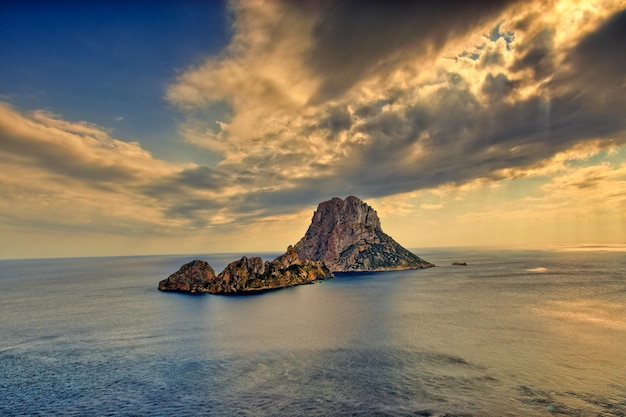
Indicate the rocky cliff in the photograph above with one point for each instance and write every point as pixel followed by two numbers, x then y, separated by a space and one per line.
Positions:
pixel 347 236
pixel 248 275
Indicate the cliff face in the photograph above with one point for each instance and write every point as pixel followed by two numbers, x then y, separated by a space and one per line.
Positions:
pixel 247 275
pixel 347 236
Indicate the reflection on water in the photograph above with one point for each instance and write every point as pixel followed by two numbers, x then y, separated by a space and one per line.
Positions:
pixel 595 312
pixel 91 337
pixel 538 269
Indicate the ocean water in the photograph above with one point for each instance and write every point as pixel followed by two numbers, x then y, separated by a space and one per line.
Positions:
pixel 515 333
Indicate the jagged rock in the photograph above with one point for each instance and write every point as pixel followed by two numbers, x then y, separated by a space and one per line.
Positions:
pixel 347 236
pixel 237 274
pixel 193 277
pixel 251 274
pixel 247 275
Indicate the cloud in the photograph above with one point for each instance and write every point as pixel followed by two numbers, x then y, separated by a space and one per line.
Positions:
pixel 312 100
pixel 353 40
pixel 603 185
pixel 373 99
pixel 74 150
pixel 537 55
pixel 74 176
pixel 425 206
pixel 338 119
pixel 596 64
pixel 570 194
pixel 498 87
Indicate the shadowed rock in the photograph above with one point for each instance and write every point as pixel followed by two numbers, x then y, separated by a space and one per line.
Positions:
pixel 347 236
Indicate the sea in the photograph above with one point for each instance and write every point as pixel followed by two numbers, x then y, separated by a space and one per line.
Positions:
pixel 513 333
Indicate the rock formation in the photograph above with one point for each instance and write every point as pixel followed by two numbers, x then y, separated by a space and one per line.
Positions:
pixel 347 236
pixel 251 274
pixel 248 275
pixel 459 263
pixel 194 277
pixel 344 236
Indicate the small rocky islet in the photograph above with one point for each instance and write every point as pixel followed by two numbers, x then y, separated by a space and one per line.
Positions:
pixel 246 275
pixel 344 236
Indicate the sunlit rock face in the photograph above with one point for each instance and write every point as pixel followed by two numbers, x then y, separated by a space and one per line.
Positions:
pixel 347 236
pixel 247 275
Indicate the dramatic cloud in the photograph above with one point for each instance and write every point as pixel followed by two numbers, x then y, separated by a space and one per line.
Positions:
pixel 373 99
pixel 393 102
pixel 597 65
pixel 58 175
pixel 353 40
pixel 63 175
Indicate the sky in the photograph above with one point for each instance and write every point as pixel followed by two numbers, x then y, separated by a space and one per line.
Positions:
pixel 166 127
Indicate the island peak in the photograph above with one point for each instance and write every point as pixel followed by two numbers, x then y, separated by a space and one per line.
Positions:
pixel 347 236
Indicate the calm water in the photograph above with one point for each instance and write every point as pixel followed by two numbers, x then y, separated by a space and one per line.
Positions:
pixel 512 334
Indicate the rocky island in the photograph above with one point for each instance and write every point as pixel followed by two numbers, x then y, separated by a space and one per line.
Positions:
pixel 246 275
pixel 344 236
pixel 347 236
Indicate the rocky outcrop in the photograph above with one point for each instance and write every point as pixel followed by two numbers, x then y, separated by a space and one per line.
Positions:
pixel 344 236
pixel 248 275
pixel 194 277
pixel 251 274
pixel 347 236
pixel 459 263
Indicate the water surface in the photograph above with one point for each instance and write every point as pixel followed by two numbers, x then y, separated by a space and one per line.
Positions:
pixel 513 333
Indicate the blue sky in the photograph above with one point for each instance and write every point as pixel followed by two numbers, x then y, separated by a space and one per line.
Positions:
pixel 192 126
pixel 108 62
